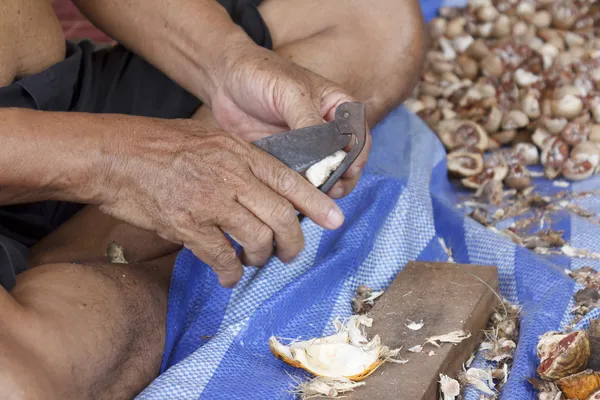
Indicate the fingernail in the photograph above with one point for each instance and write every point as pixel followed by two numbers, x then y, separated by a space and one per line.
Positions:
pixel 355 170
pixel 335 217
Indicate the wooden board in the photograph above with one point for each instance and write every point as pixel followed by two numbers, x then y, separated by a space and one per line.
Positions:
pixel 446 297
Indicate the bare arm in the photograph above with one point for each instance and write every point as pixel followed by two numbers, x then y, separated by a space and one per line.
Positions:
pixel 186 39
pixel 50 156
pixel 374 49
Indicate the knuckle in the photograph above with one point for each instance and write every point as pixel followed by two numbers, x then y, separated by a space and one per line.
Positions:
pixel 181 218
pixel 264 237
pixel 285 215
pixel 225 257
pixel 286 181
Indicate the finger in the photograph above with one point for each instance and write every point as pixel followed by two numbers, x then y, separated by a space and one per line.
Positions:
pixel 301 111
pixel 350 178
pixel 278 214
pixel 255 237
pixel 307 199
pixel 211 246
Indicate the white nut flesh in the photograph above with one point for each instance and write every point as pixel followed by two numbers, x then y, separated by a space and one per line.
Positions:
pixel 319 172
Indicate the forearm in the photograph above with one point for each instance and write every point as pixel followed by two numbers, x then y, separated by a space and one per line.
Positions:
pixel 186 39
pixel 47 156
pixel 373 49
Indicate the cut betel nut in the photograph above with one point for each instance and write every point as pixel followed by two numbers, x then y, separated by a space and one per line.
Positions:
pixel 464 164
pixel 577 171
pixel 555 153
pixel 562 355
pixel 462 134
pixel 477 181
pixel 526 153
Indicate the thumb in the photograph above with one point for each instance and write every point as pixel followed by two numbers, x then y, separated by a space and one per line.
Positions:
pixel 300 110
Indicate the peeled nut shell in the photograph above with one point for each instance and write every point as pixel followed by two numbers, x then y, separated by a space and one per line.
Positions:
pixel 492 66
pixel 531 106
pixel 501 27
pixel 478 50
pixel 568 107
pixel 514 120
pixel 437 27
pixel 456 27
pixel 494 119
pixel 581 385
pixel 504 137
pixel 594 133
pixel 467 67
pixel 555 125
pixel 486 13
pixel 542 19
pixel 563 355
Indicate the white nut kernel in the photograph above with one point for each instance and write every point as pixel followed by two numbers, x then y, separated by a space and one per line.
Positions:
pixel 525 78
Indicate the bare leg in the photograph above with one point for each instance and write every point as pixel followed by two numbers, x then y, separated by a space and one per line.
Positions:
pixel 31 38
pixel 81 332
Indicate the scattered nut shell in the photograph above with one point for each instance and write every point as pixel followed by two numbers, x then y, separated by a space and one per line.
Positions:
pixel 568 107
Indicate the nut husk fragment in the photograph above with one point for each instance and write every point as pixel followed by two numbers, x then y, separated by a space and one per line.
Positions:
pixel 581 385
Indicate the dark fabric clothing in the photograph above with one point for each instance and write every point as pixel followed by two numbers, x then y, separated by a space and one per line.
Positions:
pixel 106 80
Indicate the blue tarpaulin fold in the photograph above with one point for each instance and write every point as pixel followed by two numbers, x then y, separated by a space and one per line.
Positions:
pixel 217 339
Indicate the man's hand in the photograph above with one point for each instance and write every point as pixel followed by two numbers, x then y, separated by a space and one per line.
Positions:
pixel 261 93
pixel 192 186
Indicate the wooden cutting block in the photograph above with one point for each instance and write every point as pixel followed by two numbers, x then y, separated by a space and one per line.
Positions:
pixel 446 297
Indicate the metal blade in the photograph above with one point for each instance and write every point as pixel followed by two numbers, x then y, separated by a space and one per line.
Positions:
pixel 301 148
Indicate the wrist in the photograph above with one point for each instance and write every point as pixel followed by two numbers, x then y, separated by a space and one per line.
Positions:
pixel 218 60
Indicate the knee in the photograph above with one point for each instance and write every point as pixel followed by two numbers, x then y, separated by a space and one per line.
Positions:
pixel 31 38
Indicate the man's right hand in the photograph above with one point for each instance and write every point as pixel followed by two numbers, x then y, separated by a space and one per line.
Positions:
pixel 192 185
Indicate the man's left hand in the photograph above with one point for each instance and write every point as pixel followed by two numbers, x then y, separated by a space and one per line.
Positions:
pixel 258 93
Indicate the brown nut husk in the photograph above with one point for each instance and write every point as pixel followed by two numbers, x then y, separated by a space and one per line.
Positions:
pixel 581 385
pixel 464 164
pixel 562 355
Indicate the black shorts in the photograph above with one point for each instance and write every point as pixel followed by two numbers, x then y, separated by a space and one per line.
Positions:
pixel 107 80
